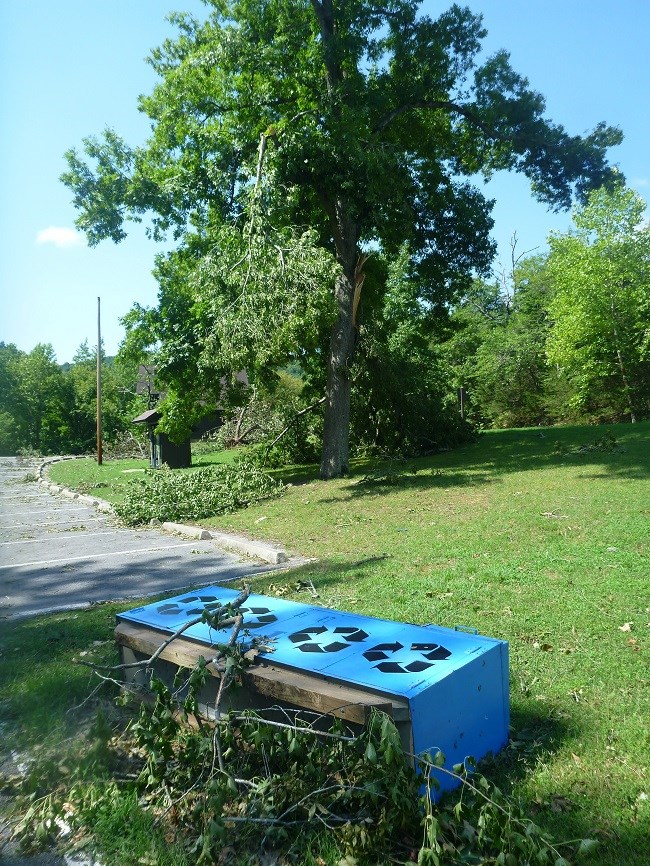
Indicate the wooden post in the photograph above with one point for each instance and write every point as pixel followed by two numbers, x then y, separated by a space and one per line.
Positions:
pixel 99 386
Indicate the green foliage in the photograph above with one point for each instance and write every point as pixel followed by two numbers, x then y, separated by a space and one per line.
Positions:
pixel 35 401
pixel 276 424
pixel 563 337
pixel 239 301
pixel 167 494
pixel 46 408
pixel 299 445
pixel 120 404
pixel 250 781
pixel 12 436
pixel 496 349
pixel 94 810
pixel 600 307
pixel 286 139
pixel 278 779
pixel 403 403
pixel 267 294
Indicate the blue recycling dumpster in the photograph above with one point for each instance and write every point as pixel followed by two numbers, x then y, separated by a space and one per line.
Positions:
pixel 454 681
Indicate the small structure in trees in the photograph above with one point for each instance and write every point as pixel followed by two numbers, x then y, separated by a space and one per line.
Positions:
pixel 162 451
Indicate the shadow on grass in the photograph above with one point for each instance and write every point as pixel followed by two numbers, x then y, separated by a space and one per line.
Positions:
pixel 41 681
pixel 319 574
pixel 534 738
pixel 617 451
pixel 382 482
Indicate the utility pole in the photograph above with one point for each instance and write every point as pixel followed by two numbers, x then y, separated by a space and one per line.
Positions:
pixel 99 386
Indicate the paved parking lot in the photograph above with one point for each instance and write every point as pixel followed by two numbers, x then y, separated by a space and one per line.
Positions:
pixel 57 553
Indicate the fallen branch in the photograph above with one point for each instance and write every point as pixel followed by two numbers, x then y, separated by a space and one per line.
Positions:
pixel 224 682
pixel 293 727
pixel 291 423
pixel 144 663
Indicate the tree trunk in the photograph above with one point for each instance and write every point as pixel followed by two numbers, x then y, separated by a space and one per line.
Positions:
pixel 336 432
pixel 626 386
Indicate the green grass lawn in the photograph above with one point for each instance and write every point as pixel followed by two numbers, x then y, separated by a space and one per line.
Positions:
pixel 540 537
pixel 530 537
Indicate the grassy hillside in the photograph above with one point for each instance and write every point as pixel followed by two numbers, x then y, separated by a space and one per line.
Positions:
pixel 540 537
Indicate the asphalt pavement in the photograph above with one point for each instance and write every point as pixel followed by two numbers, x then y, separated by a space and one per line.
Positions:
pixel 58 553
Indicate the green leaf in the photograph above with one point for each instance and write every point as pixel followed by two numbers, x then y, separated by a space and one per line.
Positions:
pixel 371 754
pixel 586 846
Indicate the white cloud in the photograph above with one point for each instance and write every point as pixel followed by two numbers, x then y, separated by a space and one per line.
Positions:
pixel 641 181
pixel 60 237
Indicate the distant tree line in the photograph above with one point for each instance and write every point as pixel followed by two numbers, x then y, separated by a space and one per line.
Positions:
pixel 564 337
pixel 49 408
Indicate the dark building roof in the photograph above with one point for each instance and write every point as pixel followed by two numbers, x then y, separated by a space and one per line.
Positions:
pixel 151 416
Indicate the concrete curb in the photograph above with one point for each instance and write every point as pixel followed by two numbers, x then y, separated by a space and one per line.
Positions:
pixel 234 543
pixel 191 531
pixel 99 504
pixel 223 540
pixel 257 549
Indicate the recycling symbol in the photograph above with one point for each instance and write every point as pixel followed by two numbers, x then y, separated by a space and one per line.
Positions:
pixel 429 652
pixel 256 617
pixel 314 639
pixel 194 605
pixel 174 608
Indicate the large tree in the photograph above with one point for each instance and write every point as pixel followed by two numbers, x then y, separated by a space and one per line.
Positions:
pixel 356 119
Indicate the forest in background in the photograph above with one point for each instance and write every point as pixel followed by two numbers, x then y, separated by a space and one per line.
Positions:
pixel 50 408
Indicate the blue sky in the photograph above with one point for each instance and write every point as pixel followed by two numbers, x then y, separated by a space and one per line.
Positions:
pixel 70 69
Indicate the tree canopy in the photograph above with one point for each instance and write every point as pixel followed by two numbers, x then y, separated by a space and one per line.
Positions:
pixel 51 409
pixel 289 139
pixel 600 306
pixel 496 347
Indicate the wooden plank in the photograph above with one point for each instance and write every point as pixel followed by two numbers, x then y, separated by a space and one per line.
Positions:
pixel 183 653
pixel 281 685
pixel 321 696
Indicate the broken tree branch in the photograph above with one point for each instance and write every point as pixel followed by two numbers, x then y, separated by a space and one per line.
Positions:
pixel 144 663
pixel 292 422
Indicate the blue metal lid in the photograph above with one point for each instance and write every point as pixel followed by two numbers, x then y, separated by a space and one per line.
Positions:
pixel 385 656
